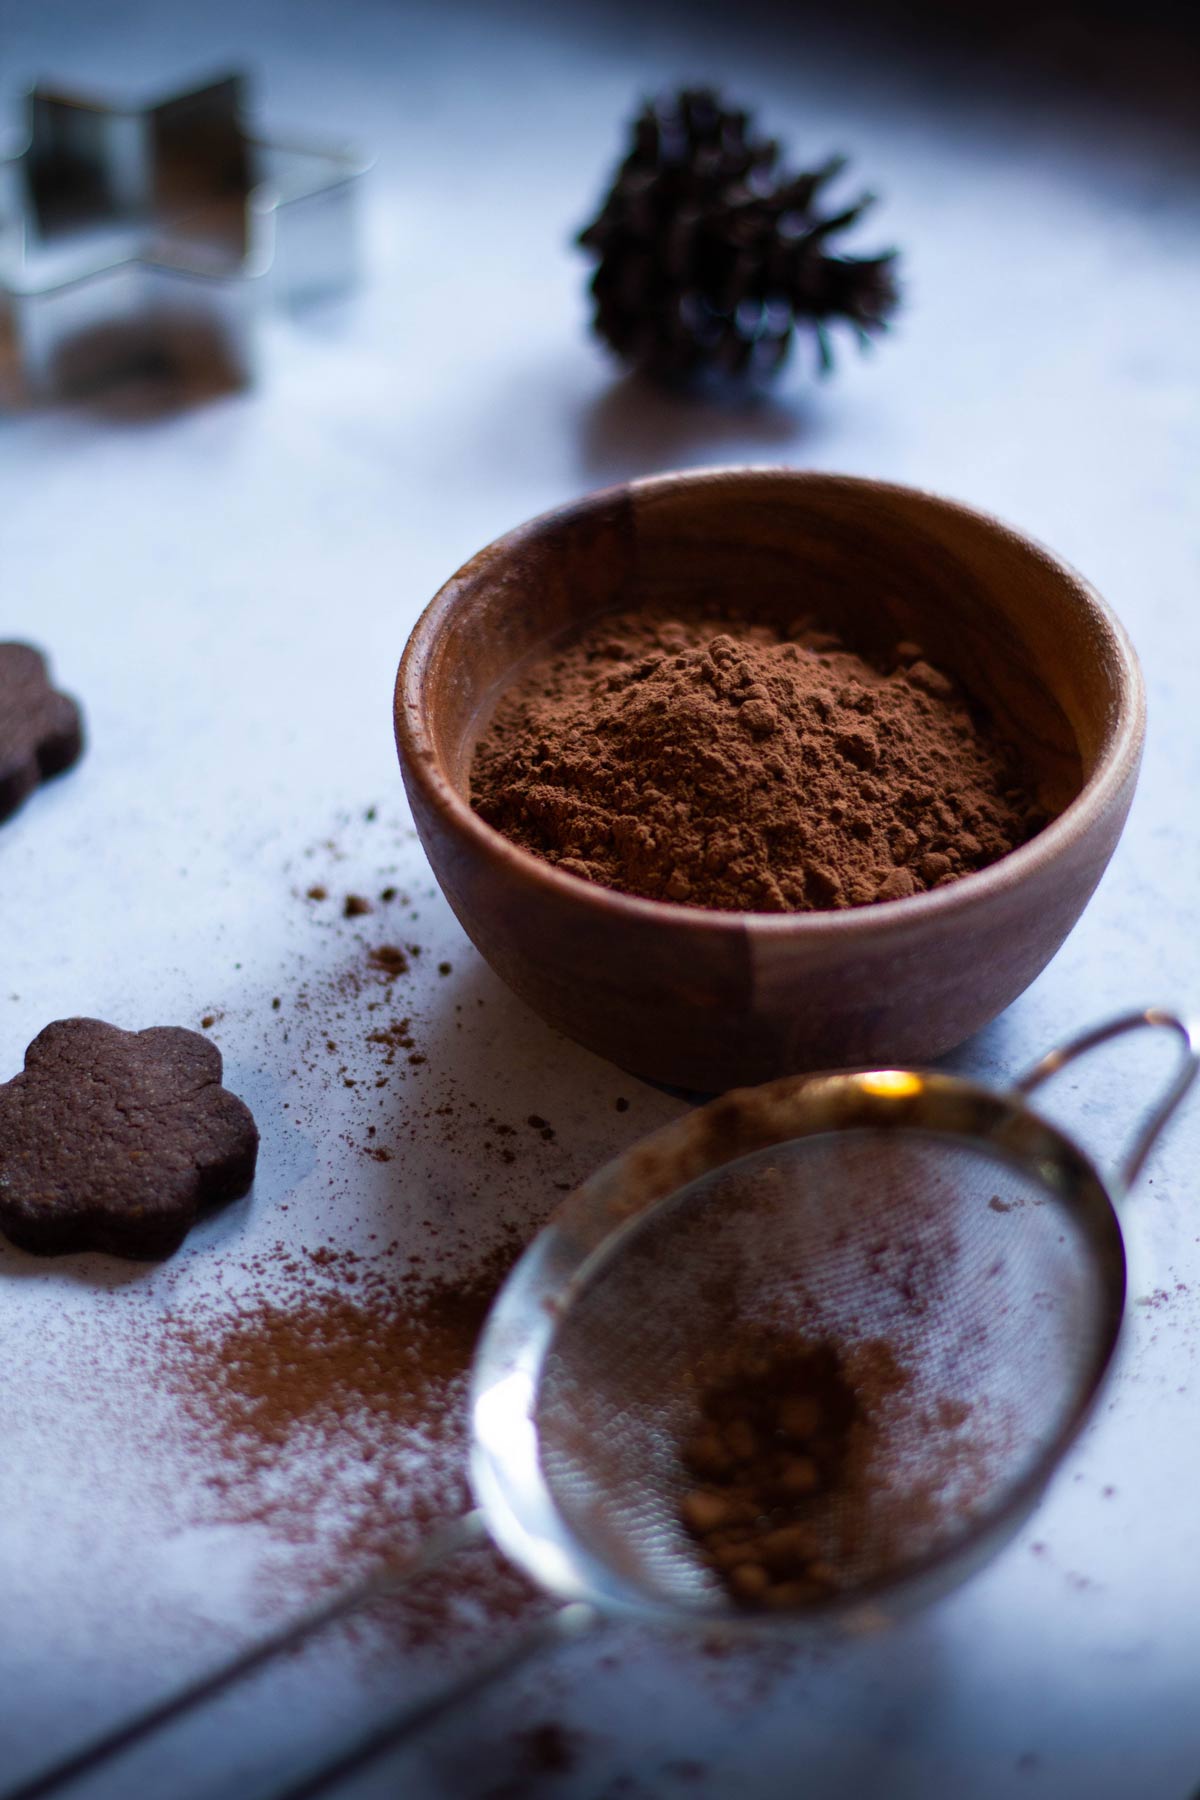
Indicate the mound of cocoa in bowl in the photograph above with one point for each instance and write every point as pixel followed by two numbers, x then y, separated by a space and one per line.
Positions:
pixel 725 763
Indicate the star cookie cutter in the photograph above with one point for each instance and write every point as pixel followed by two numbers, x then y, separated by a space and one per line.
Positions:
pixel 158 235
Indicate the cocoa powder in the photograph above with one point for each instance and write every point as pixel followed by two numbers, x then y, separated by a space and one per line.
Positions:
pixel 784 1455
pixel 720 762
pixel 334 1413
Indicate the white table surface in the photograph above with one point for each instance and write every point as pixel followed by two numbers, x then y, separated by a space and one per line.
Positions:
pixel 228 585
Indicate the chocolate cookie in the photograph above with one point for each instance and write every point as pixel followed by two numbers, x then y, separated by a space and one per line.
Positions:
pixel 115 1140
pixel 40 729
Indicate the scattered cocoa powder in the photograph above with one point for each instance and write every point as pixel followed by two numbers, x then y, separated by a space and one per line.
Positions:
pixel 390 1038
pixel 342 1009
pixel 719 762
pixel 338 1418
pixel 389 959
pixel 549 1748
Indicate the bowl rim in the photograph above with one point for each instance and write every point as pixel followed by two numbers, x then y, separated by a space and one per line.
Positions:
pixel 1120 752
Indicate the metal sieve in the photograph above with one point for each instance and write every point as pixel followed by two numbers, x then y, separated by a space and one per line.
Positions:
pixel 946 1220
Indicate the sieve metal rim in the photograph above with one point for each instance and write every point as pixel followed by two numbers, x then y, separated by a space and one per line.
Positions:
pixel 593 1223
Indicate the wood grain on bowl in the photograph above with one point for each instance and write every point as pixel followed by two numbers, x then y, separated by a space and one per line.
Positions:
pixel 708 1000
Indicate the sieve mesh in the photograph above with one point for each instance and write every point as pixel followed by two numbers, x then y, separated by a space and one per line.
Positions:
pixel 980 1282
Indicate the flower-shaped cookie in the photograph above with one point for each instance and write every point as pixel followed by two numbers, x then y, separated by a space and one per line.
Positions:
pixel 115 1140
pixel 40 729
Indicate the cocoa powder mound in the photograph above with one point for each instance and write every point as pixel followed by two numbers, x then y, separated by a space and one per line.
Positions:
pixel 785 1453
pixel 724 763
pixel 824 1466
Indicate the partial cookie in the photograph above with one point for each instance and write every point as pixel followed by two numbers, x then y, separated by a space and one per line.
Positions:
pixel 41 732
pixel 116 1140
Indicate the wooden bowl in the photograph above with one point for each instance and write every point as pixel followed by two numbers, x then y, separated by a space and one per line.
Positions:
pixel 708 1000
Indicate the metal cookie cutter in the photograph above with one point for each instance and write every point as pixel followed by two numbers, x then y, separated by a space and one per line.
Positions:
pixel 155 235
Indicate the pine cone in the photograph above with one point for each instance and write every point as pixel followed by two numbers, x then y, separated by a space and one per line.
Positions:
pixel 710 253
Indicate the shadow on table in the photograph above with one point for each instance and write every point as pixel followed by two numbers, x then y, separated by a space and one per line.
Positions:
pixel 1138 58
pixel 634 428
pixel 701 1718
pixel 124 371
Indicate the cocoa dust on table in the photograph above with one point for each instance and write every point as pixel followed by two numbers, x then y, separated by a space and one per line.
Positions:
pixel 339 1022
pixel 333 1413
pixel 724 763
pixel 351 1022
pixel 323 1398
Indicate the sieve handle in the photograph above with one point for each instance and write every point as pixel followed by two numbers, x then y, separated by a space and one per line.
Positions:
pixel 460 1534
pixel 1189 1067
pixel 566 1622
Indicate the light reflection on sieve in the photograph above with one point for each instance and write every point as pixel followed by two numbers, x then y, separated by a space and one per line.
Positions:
pixel 944 1221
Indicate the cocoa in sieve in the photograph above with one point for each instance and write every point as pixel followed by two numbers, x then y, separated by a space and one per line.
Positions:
pixel 784 1442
